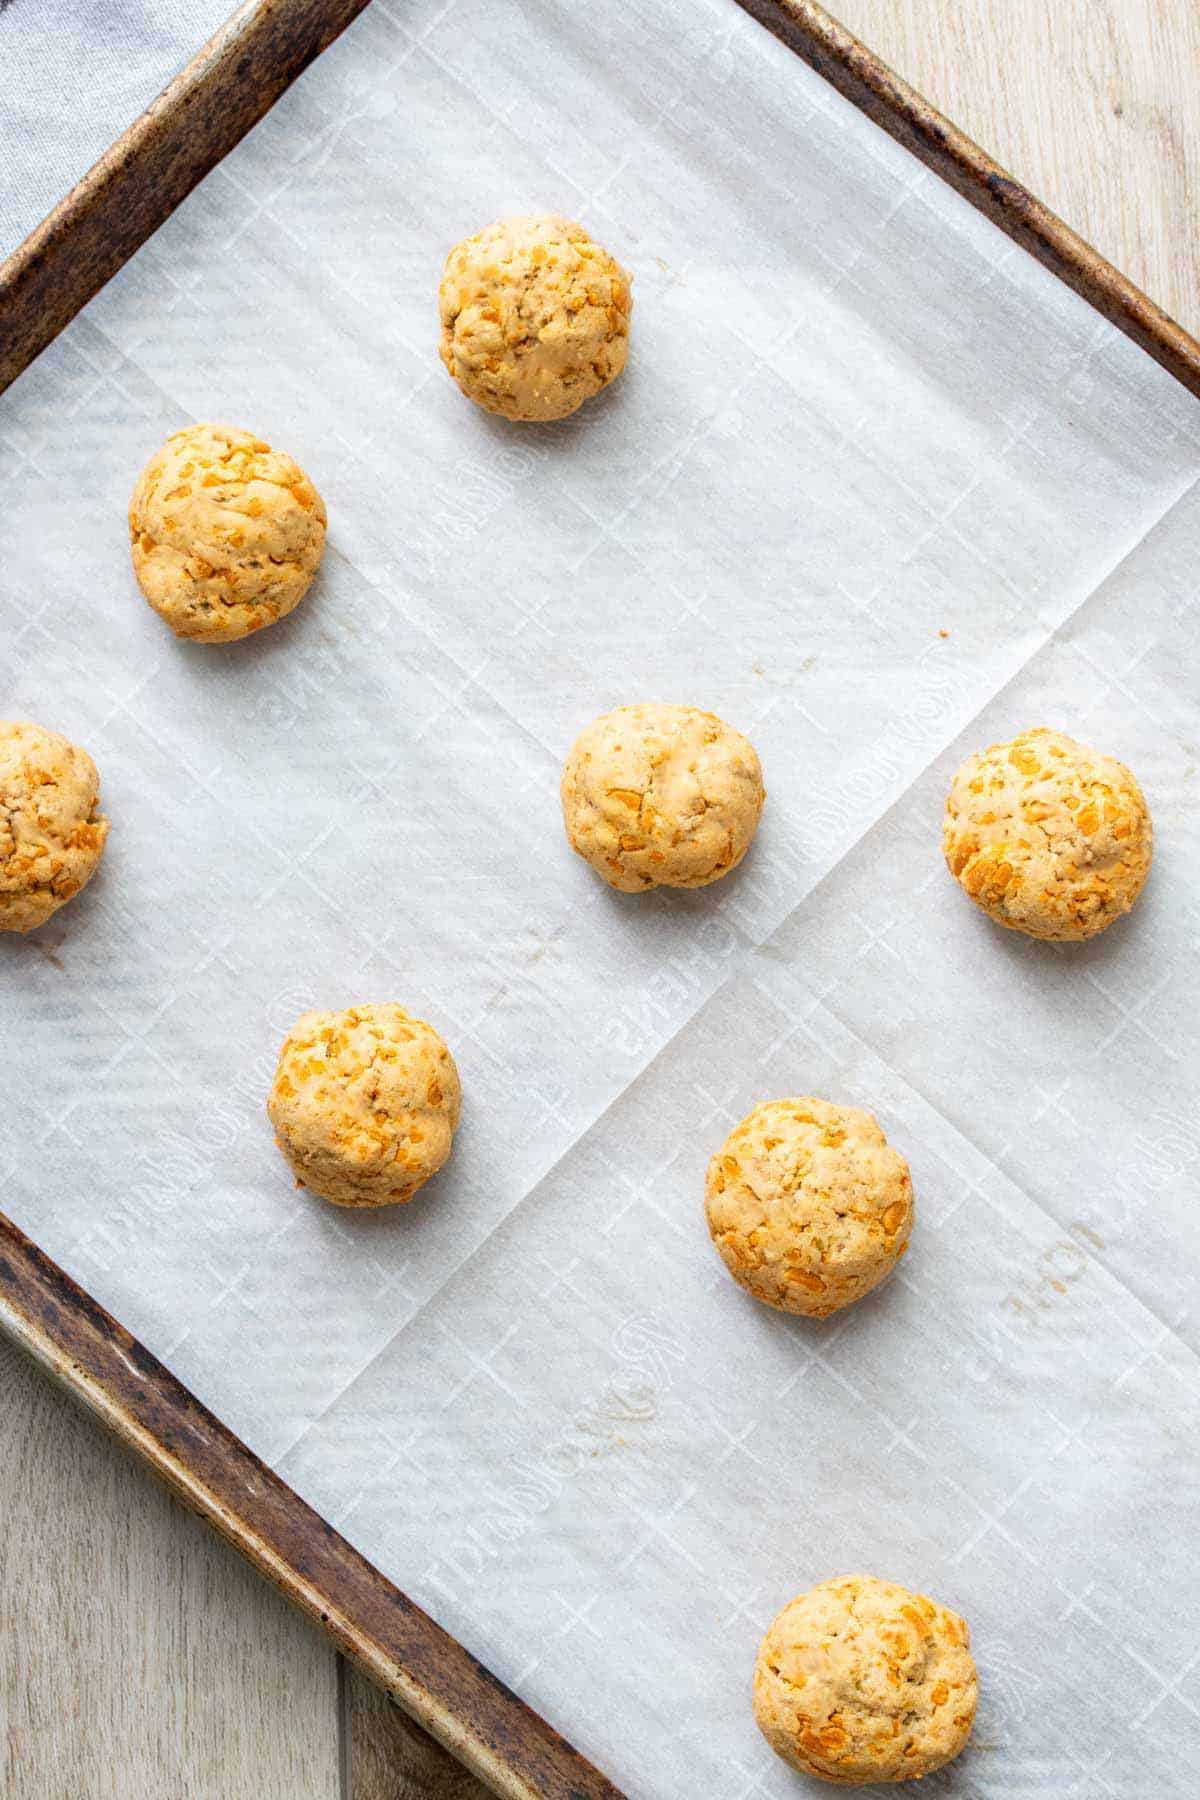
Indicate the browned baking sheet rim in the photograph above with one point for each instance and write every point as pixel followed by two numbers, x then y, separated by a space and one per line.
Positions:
pixel 48 279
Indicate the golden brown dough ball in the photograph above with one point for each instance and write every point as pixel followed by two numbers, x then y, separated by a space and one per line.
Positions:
pixel 661 796
pixel 535 317
pixel 861 1680
pixel 226 533
pixel 808 1205
pixel 1048 836
pixel 364 1103
pixel 52 832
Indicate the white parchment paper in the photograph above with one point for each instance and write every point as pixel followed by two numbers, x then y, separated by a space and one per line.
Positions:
pixel 876 489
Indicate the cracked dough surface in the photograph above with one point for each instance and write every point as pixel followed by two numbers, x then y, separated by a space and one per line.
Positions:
pixel 808 1204
pixel 1047 835
pixel 226 533
pixel 661 796
pixel 861 1680
pixel 364 1104
pixel 535 317
pixel 52 832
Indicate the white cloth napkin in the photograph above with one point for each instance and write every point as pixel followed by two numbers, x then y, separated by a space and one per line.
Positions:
pixel 73 75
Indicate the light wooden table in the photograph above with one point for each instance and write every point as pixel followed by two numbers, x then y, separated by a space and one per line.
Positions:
pixel 139 1659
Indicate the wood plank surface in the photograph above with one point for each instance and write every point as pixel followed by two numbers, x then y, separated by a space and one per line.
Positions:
pixel 139 1658
pixel 390 1758
pixel 1093 104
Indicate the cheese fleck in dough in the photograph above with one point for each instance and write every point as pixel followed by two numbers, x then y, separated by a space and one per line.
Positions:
pixel 808 1205
pixel 1048 836
pixel 364 1104
pixel 52 832
pixel 535 317
pixel 661 796
pixel 861 1680
pixel 226 533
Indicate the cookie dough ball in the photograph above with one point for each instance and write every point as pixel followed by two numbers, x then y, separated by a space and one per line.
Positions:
pixel 52 831
pixel 1048 836
pixel 860 1680
pixel 808 1205
pixel 661 796
pixel 535 317
pixel 364 1104
pixel 227 533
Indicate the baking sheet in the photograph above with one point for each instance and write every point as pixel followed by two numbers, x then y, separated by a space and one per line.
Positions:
pixel 855 418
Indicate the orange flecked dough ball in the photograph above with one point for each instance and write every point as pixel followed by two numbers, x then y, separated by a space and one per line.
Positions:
pixel 535 317
pixel 52 832
pixel 808 1205
pixel 364 1104
pixel 226 533
pixel 1048 836
pixel 656 795
pixel 861 1680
